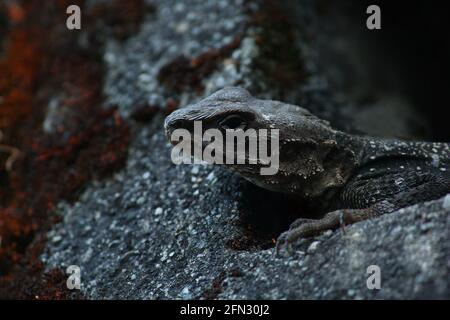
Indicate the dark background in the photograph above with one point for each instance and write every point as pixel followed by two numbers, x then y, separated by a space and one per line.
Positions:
pixel 415 34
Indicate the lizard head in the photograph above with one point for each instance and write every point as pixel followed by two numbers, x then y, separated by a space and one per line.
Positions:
pixel 305 141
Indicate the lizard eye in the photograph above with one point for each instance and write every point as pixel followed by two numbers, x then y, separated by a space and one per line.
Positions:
pixel 233 122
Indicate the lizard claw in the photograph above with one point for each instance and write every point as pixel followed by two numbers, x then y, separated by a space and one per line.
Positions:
pixel 287 238
pixel 342 221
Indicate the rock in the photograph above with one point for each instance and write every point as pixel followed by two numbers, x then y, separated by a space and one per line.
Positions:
pixel 413 264
pixel 313 247
pixel 190 246
pixel 446 203
pixel 186 294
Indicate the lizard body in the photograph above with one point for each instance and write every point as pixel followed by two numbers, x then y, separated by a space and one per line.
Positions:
pixel 351 177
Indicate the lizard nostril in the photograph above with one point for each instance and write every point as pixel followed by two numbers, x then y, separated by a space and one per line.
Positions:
pixel 178 123
pixel 173 123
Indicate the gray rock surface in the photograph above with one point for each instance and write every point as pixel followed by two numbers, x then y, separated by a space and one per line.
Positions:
pixel 410 247
pixel 187 28
pixel 159 231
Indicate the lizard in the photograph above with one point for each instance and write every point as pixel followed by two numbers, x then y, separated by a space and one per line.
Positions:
pixel 348 178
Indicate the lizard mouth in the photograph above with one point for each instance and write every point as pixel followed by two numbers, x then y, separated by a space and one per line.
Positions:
pixel 171 124
pixel 215 153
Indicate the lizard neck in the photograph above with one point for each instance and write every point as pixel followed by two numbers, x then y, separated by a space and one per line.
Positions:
pixel 321 169
pixel 353 146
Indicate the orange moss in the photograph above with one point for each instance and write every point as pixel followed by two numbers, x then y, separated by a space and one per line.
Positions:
pixel 41 61
pixel 183 73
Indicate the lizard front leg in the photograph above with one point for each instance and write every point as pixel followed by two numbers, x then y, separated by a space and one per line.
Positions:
pixel 406 193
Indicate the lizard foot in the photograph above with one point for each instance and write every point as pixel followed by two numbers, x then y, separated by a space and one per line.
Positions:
pixel 285 239
pixel 304 228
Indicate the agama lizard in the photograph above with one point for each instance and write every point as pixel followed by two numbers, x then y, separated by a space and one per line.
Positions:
pixel 352 177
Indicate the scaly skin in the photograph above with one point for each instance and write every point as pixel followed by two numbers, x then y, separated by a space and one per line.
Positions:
pixel 351 177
